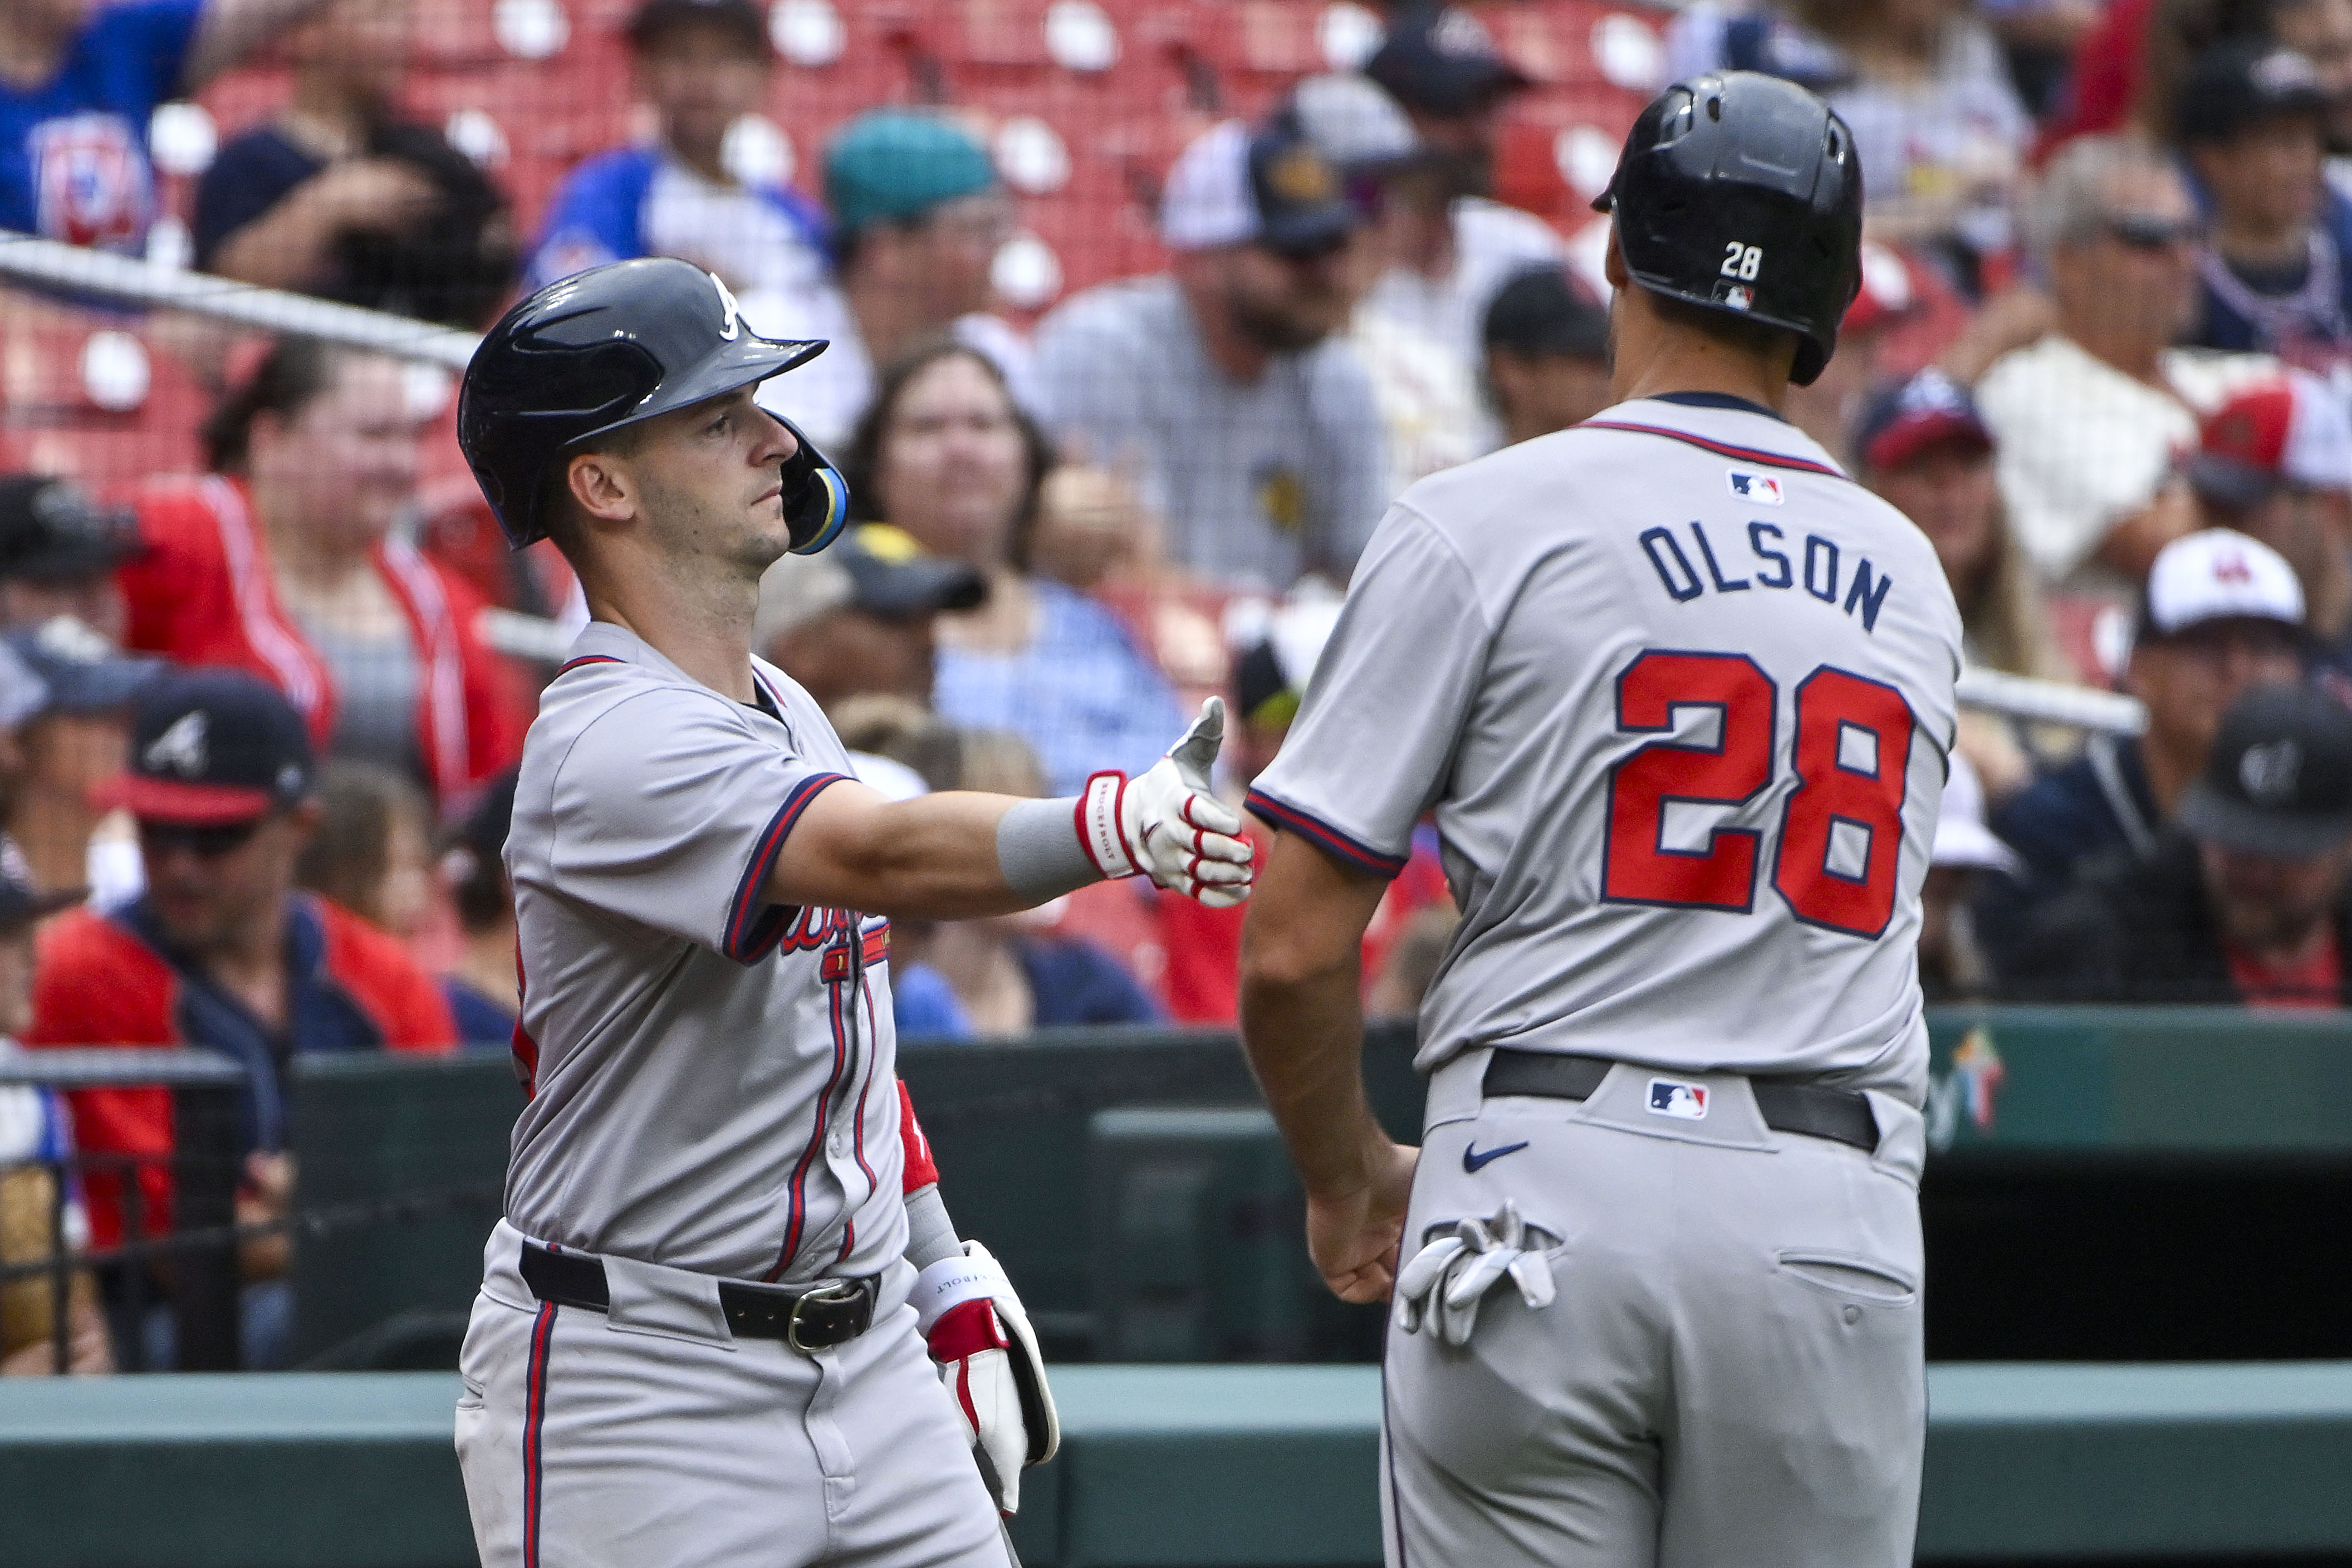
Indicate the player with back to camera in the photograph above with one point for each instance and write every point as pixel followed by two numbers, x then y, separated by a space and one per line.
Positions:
pixel 1680 695
pixel 701 1331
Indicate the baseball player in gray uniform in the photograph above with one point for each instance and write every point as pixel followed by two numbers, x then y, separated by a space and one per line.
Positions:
pixel 701 1336
pixel 1679 694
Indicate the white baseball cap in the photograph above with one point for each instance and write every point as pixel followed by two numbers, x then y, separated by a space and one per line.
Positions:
pixel 1273 188
pixel 1963 842
pixel 2218 574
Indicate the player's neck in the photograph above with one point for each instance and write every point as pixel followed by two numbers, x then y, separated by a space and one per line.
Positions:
pixel 704 629
pixel 1700 367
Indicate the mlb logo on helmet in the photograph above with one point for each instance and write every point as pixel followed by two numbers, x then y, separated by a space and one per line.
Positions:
pixel 1682 1101
pixel 1761 488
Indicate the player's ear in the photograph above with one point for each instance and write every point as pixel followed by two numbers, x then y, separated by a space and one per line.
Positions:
pixel 599 482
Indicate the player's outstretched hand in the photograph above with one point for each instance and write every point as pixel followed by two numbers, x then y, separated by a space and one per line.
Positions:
pixel 1165 825
pixel 1353 1238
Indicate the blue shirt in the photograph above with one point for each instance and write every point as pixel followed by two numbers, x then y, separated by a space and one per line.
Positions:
pixel 637 201
pixel 1082 694
pixel 1073 982
pixel 73 151
pixel 2303 313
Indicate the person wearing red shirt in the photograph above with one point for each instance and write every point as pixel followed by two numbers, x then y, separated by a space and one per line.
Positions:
pixel 2250 902
pixel 283 561
pixel 221 954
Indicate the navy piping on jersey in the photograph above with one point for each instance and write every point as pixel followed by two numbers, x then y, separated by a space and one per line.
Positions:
pixel 1324 835
pixel 571 664
pixel 542 1337
pixel 795 1212
pixel 1720 449
pixel 753 928
pixel 1716 400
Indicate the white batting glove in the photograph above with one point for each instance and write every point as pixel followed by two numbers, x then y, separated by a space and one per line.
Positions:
pixel 1443 1284
pixel 987 1355
pixel 1165 825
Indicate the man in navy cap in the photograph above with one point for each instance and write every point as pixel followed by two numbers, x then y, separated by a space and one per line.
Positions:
pixel 1453 246
pixel 58 554
pixel 1547 364
pixel 221 954
pixel 1253 429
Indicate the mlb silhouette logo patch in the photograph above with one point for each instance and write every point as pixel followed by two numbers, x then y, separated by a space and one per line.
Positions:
pixel 1761 488
pixel 1682 1101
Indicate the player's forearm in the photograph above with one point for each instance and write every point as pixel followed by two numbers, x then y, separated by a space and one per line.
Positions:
pixel 931 858
pixel 1305 1038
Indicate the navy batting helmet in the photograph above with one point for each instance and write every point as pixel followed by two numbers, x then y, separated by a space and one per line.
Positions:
pixel 610 347
pixel 1741 193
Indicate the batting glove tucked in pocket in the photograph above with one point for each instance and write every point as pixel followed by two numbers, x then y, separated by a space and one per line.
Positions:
pixel 1459 1264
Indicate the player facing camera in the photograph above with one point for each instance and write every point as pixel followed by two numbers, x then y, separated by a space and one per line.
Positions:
pixel 614 363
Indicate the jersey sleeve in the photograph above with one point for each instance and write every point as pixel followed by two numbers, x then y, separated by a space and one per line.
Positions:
pixel 670 811
pixel 1376 734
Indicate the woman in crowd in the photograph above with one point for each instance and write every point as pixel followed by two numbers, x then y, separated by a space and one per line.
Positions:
pixel 483 990
pixel 372 852
pixel 1935 118
pixel 286 560
pixel 1924 448
pixel 944 454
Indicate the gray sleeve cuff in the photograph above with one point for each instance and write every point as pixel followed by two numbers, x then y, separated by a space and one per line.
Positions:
pixel 1038 850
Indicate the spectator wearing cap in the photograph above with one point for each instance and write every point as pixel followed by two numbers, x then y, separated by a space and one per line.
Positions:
pixel 918 216
pixel 485 992
pixel 2274 462
pixel 863 620
pixel 2275 275
pixel 2248 902
pixel 58 555
pixel 1952 962
pixel 1923 84
pixel 221 952
pixel 73 745
pixel 80 83
pixel 946 456
pixel 1427 400
pixel 2220 612
pixel 701 64
pixel 35 1146
pixel 1923 447
pixel 2087 418
pixel 1224 384
pixel 342 194
pixel 288 560
pixel 1545 364
pixel 1447 244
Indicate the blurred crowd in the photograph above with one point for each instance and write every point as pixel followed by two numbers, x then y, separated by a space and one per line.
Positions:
pixel 257 737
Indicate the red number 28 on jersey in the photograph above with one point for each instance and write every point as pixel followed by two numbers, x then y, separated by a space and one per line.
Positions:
pixel 1852 758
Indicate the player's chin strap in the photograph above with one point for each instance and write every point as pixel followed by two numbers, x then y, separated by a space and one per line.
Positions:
pixel 988 1356
pixel 816 498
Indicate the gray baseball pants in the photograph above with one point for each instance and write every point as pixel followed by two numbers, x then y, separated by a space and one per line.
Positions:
pixel 650 1437
pixel 1731 1374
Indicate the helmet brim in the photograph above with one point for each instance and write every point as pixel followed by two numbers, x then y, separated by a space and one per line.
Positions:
pixel 746 362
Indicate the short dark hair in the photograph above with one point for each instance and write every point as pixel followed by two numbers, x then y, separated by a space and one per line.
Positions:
pixel 1740 331
pixel 863 460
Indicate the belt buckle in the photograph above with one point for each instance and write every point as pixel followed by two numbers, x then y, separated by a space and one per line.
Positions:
pixel 831 1290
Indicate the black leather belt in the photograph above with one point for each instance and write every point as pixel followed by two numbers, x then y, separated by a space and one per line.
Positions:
pixel 1839 1115
pixel 812 1318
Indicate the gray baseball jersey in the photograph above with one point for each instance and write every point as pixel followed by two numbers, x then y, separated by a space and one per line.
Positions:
pixel 1679 694
pixel 711 1075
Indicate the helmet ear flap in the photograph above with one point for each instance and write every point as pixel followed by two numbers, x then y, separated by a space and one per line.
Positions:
pixel 815 497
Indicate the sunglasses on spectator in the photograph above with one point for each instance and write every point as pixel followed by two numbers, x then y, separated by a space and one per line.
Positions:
pixel 206 843
pixel 2145 231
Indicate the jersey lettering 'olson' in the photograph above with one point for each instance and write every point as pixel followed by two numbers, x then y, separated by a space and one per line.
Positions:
pixel 1771 561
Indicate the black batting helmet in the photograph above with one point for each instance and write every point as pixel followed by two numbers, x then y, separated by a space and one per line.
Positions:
pixel 1741 193
pixel 607 347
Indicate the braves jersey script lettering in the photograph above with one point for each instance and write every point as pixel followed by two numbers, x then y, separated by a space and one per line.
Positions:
pixel 712 1076
pixel 1679 694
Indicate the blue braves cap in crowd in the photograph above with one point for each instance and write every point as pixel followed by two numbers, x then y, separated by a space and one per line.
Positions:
pixel 1929 410
pixel 85 673
pixel 1543 310
pixel 2279 782
pixel 891 165
pixel 210 746
pixel 1442 60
